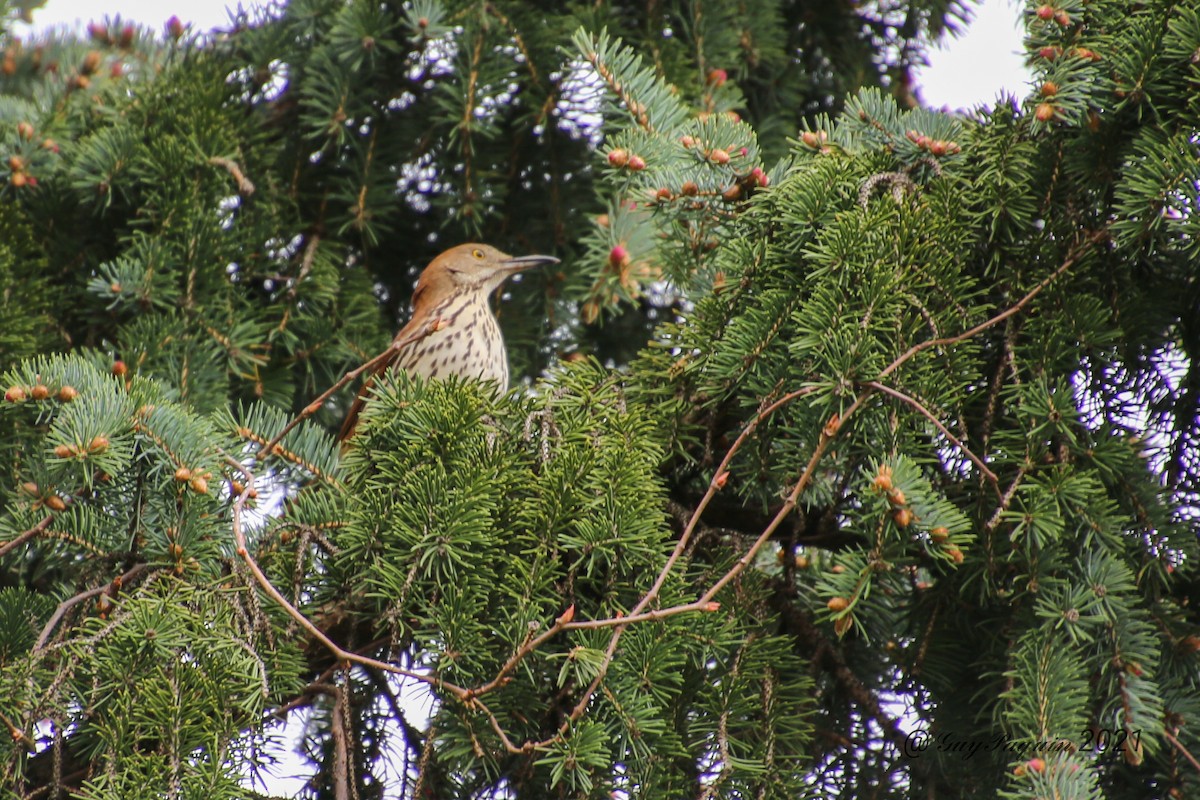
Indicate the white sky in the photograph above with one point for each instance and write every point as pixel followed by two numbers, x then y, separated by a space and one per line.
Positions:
pixel 971 70
pixel 968 71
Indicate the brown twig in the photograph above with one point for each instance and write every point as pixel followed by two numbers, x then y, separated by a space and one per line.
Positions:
pixel 1183 751
pixel 245 186
pixel 827 435
pixel 339 653
pixel 315 406
pixel 69 603
pixel 26 536
pixel 1072 257
pixel 341 747
pixel 720 476
pixel 17 734
pixel 912 401
pixel 1005 500
pixel 306 263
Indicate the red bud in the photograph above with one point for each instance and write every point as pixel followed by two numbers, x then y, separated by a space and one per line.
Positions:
pixel 618 158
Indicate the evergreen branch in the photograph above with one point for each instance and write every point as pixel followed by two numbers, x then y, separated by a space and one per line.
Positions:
pixel 1005 500
pixel 1072 257
pixel 26 536
pixel 360 204
pixel 624 75
pixel 245 186
pixel 722 733
pixel 64 536
pixel 720 476
pixel 465 126
pixel 912 401
pixel 279 451
pixel 638 613
pixel 423 762
pixel 829 657
pixel 515 32
pixel 828 433
pixel 997 383
pixel 339 653
pixel 71 602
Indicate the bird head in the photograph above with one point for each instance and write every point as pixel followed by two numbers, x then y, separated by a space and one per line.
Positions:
pixel 478 266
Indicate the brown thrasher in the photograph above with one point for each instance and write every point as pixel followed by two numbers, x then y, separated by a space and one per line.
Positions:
pixel 452 330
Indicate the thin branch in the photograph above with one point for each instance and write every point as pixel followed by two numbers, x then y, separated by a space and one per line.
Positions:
pixel 265 582
pixel 26 536
pixel 69 603
pixel 827 436
pixel 17 734
pixel 245 186
pixel 315 406
pixel 341 746
pixel 637 615
pixel 1006 499
pixel 912 401
pixel 306 263
pixel 1072 257
pixel 1178 745
pixel 720 476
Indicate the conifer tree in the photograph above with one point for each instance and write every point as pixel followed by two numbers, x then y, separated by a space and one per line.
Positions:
pixel 869 470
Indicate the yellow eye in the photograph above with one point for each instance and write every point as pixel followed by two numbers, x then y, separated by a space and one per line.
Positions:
pixel 477 254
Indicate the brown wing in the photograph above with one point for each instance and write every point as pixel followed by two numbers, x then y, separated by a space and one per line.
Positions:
pixel 433 283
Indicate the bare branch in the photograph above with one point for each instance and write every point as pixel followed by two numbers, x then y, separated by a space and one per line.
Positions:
pixel 69 603
pixel 1072 257
pixel 26 536
pixel 244 185
pixel 976 460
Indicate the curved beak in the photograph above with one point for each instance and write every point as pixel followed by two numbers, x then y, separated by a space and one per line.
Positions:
pixel 518 263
